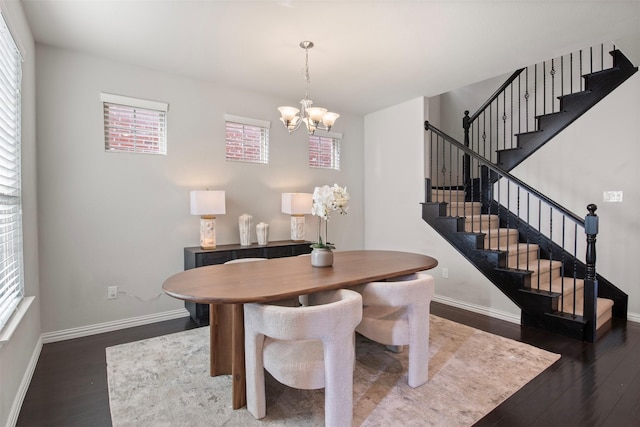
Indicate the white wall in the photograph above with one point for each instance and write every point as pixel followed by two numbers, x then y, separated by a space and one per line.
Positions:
pixel 16 354
pixel 394 188
pixel 123 219
pixel 393 176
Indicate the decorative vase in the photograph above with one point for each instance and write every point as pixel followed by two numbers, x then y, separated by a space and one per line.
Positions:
pixel 244 223
pixel 321 257
pixel 262 231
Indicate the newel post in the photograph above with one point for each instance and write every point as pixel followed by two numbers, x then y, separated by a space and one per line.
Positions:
pixel 590 280
pixel 466 124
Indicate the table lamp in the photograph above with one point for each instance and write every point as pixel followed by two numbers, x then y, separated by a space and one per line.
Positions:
pixel 297 205
pixel 207 204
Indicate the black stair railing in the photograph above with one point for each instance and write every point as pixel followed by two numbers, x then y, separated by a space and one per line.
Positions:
pixel 527 94
pixel 549 242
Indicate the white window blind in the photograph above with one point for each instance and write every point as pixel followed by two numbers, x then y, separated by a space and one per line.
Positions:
pixel 11 263
pixel 324 151
pixel 247 140
pixel 133 125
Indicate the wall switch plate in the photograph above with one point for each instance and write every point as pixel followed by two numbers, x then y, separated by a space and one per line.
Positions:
pixel 612 196
pixel 445 273
pixel 112 292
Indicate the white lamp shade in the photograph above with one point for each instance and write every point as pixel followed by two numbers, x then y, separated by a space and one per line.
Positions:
pixel 329 119
pixel 297 203
pixel 207 203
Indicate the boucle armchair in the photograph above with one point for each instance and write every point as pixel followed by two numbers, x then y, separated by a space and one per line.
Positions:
pixel 396 313
pixel 308 347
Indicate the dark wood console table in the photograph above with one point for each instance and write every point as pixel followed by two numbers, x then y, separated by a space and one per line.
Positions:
pixel 195 257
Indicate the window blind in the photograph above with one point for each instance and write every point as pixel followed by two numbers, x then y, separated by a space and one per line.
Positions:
pixel 134 125
pixel 11 262
pixel 247 140
pixel 324 152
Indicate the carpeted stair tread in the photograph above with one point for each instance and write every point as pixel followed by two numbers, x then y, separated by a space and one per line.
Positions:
pixel 521 253
pixel 446 195
pixel 478 223
pixel 499 238
pixel 464 208
pixel 604 308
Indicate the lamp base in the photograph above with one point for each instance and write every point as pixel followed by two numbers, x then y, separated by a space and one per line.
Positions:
pixel 208 232
pixel 297 228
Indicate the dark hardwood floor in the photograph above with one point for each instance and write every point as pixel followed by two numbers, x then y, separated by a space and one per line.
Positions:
pixel 591 385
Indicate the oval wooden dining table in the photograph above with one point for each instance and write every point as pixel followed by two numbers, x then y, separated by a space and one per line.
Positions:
pixel 226 287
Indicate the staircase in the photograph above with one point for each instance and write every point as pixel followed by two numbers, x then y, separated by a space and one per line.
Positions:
pixel 597 85
pixel 532 248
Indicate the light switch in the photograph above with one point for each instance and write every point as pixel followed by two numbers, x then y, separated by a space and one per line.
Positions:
pixel 612 196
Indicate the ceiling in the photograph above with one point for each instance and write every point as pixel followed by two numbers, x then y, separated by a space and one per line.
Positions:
pixel 368 54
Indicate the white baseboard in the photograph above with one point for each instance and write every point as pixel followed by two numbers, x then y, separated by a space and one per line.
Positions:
pixel 24 385
pixel 115 325
pixel 509 317
pixel 497 314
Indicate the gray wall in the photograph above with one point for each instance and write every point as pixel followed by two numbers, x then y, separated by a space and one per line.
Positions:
pixel 123 219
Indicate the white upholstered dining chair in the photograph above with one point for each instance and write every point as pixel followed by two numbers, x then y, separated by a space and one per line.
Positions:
pixel 396 313
pixel 308 347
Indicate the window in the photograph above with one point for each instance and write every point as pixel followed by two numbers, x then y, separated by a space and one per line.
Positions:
pixel 247 139
pixel 134 125
pixel 11 263
pixel 324 151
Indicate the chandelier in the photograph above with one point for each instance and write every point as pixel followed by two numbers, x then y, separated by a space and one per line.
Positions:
pixel 313 117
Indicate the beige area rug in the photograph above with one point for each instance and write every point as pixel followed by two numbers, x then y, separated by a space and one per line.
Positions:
pixel 164 381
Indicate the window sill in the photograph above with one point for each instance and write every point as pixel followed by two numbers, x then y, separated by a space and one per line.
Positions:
pixel 7 332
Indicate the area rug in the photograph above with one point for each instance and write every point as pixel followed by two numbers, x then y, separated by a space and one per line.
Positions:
pixel 164 381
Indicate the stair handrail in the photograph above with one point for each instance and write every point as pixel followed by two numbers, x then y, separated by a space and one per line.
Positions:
pixel 429 127
pixel 467 120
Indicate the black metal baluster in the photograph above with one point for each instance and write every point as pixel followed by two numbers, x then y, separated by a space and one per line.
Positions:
pixel 601 56
pixel 571 73
pixel 562 259
pixel 539 239
pixel 581 79
pixel 544 87
pixel 511 114
pixel 528 234
pixel 550 246
pixel 526 99
pixel 552 72
pixel 575 266
pixel 561 76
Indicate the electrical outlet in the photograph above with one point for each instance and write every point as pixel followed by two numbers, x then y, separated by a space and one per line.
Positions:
pixel 112 292
pixel 612 196
pixel 445 273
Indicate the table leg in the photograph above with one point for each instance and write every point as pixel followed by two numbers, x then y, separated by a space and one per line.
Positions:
pixel 226 344
pixel 237 362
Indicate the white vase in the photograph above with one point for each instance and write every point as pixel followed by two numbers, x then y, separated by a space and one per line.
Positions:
pixel 262 231
pixel 321 257
pixel 244 224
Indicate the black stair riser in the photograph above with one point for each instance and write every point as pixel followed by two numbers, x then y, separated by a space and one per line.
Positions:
pixel 562 325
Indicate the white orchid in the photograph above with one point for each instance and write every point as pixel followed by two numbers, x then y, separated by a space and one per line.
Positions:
pixel 325 200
